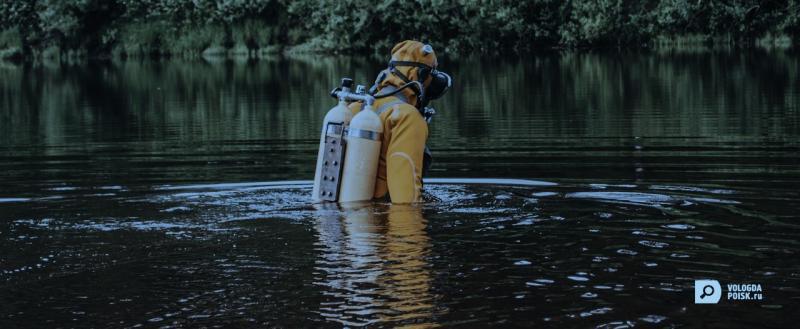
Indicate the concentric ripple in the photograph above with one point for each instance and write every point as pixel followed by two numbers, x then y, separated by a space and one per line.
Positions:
pixel 505 252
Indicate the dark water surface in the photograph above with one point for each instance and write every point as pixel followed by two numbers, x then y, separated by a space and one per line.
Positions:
pixel 172 193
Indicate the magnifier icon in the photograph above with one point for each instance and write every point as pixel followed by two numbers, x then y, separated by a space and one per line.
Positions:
pixel 708 290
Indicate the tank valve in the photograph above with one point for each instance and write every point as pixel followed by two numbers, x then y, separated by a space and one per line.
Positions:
pixel 360 94
pixel 347 83
pixel 344 88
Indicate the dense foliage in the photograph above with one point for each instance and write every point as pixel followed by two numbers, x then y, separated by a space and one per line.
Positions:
pixel 192 26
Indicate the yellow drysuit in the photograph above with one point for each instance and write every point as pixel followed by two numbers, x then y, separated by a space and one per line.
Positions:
pixel 404 129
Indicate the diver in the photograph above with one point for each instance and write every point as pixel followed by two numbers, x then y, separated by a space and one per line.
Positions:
pixel 402 94
pixel 374 148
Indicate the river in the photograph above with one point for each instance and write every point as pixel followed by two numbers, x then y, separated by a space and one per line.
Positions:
pixel 567 190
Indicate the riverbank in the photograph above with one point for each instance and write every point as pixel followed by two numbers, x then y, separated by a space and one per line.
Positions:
pixel 258 28
pixel 252 41
pixel 249 40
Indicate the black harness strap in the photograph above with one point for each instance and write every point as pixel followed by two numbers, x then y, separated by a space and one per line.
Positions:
pixel 406 63
pixel 401 75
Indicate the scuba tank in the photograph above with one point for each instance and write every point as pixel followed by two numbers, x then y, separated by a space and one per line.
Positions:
pixel 349 150
pixel 333 128
pixel 347 161
pixel 363 139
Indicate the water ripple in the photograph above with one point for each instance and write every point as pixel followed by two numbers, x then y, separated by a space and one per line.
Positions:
pixel 220 251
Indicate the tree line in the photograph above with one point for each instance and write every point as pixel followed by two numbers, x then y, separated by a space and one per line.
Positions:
pixel 191 27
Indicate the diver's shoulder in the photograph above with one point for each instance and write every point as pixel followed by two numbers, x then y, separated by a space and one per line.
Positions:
pixel 392 103
pixel 406 106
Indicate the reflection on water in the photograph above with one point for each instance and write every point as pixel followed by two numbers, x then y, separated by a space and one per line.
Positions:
pixel 373 266
pixel 714 117
pixel 508 253
pixel 175 194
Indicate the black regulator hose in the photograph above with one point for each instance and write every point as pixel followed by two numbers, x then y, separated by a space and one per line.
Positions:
pixel 335 91
pixel 391 93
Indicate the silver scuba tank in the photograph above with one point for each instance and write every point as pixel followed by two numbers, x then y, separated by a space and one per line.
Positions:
pixel 347 161
pixel 331 149
pixel 364 136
